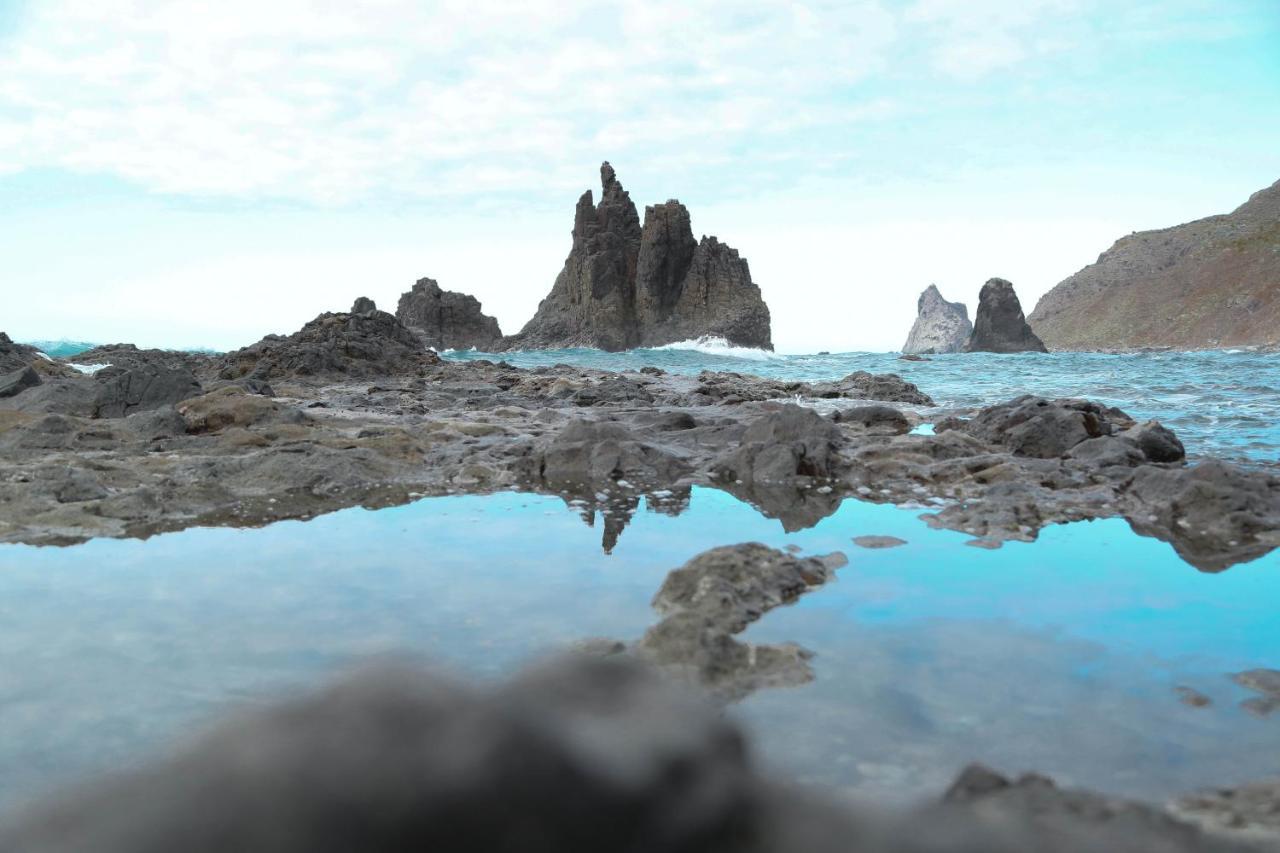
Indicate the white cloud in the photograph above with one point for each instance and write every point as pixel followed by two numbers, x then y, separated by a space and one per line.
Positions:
pixel 331 102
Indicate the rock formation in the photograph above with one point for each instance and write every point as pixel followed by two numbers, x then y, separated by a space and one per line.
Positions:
pixel 369 345
pixel 940 326
pixel 1214 282
pixel 363 305
pixel 1000 325
pixel 447 320
pixel 626 286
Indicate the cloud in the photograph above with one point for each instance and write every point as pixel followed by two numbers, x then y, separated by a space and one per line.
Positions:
pixel 331 102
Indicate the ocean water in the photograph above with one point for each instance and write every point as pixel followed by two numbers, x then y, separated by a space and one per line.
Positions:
pixel 1060 656
pixel 1222 403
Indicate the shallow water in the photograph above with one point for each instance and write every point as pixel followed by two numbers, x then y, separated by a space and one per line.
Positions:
pixel 1221 403
pixel 1059 655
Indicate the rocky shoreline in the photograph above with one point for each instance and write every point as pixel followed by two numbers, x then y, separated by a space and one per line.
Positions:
pixel 351 410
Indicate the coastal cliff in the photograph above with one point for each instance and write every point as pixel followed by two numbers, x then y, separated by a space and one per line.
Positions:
pixel 1213 282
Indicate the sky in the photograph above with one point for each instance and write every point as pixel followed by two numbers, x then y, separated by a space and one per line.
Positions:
pixel 188 174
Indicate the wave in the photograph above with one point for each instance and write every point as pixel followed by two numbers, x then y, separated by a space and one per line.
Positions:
pixel 709 345
pixel 89 368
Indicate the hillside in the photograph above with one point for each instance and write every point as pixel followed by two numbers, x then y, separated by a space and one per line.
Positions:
pixel 1213 282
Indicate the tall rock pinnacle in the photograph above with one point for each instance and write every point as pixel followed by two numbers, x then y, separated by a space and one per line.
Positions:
pixel 626 286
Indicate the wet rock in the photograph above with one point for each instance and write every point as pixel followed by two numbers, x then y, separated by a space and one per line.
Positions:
pixel 1215 514
pixel 368 345
pixel 778 447
pixel 1191 697
pixel 877 542
pixel 1000 325
pixel 625 286
pixel 940 327
pixel 122 392
pixel 883 420
pixel 861 385
pixel 1074 819
pixel 233 407
pixel 364 305
pixel 1266 683
pixel 447 320
pixel 1046 429
pixel 131 357
pixel 1157 442
pixel 595 452
pixel 12 384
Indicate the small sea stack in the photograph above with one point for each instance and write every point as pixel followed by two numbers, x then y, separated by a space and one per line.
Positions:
pixel 1000 325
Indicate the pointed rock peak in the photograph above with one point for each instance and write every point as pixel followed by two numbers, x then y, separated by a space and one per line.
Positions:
pixel 608 178
pixel 363 305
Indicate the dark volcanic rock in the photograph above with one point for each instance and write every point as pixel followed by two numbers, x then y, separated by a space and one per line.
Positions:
pixel 1208 283
pixel 583 755
pixel 1000 325
pixel 447 320
pixel 940 326
pixel 369 345
pixel 1046 429
pixel 18 381
pixel 123 392
pixel 625 286
pixel 363 305
pixel 14 357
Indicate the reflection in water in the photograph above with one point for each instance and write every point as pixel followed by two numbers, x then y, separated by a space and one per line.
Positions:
pixel 1060 655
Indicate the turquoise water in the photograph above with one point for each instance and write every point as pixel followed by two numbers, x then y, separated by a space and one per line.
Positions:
pixel 1221 403
pixel 1060 655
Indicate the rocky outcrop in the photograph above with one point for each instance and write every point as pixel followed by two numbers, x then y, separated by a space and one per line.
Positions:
pixel 363 305
pixel 940 326
pixel 447 320
pixel 1214 282
pixel 626 286
pixel 581 755
pixel 364 346
pixel 1000 325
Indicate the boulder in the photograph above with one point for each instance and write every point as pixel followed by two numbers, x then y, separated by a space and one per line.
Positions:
pixel 122 392
pixel 12 384
pixel 1045 429
pixel 1000 325
pixel 783 445
pixel 447 320
pixel 940 327
pixel 624 285
pixel 588 453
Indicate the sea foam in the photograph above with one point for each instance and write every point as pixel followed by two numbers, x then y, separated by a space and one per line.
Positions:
pixel 708 345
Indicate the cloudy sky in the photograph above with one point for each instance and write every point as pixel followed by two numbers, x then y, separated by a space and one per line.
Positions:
pixel 189 173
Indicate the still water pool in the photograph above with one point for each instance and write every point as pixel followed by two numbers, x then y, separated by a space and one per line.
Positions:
pixel 1060 655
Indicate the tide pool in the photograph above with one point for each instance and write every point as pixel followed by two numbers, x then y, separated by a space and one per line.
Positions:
pixel 1059 656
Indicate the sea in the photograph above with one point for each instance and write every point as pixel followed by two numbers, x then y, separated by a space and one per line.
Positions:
pixel 1072 655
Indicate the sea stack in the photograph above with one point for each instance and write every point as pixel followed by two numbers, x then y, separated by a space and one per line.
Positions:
pixel 940 326
pixel 1214 282
pixel 1000 325
pixel 447 320
pixel 627 285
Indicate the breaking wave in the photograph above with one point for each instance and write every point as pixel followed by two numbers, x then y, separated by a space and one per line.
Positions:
pixel 709 345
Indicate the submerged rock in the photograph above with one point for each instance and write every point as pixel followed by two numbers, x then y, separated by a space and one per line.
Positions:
pixel 940 327
pixel 447 320
pixel 624 285
pixel 1000 325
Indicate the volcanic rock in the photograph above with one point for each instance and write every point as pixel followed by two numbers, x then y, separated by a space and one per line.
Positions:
pixel 18 381
pixel 625 286
pixel 940 326
pixel 369 345
pixel 447 320
pixel 1000 326
pixel 363 305
pixel 1213 282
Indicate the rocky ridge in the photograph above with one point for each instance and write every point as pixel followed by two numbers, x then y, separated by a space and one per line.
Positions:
pixel 940 326
pixel 1214 282
pixel 627 285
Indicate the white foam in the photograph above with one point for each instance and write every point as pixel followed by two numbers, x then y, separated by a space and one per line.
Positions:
pixel 89 368
pixel 719 346
pixel 45 356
